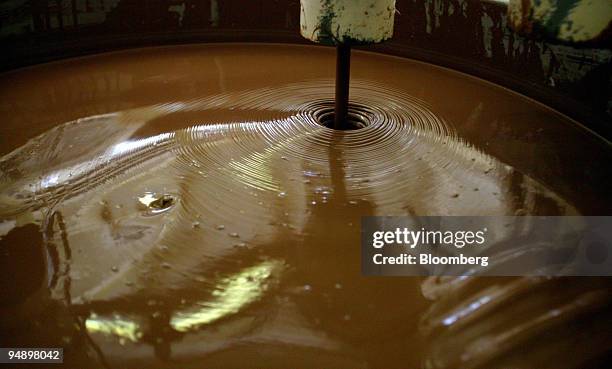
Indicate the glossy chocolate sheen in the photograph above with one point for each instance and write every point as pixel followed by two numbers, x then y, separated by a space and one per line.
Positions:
pixel 183 207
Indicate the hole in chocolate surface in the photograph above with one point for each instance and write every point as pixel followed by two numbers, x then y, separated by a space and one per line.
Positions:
pixel 358 116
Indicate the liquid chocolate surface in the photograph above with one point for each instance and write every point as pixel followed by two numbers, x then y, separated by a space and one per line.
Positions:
pixel 183 207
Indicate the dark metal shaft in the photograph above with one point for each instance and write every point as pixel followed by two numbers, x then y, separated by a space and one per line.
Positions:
pixel 343 75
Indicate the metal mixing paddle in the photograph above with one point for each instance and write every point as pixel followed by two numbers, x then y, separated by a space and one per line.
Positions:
pixel 343 23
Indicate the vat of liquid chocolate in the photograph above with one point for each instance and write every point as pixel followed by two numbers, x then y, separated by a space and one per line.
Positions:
pixel 182 206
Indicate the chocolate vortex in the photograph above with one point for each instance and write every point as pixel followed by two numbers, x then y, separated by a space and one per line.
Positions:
pixel 211 230
pixel 401 157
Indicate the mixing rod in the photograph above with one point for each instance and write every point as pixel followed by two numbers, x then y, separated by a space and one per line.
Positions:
pixel 343 23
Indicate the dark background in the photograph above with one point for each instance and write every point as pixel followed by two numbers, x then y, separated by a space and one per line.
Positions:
pixel 468 35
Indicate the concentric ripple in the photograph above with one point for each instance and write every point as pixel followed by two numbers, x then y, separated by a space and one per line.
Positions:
pixel 211 226
pixel 395 126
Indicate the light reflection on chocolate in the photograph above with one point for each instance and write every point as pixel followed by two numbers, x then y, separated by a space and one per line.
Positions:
pixel 193 217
